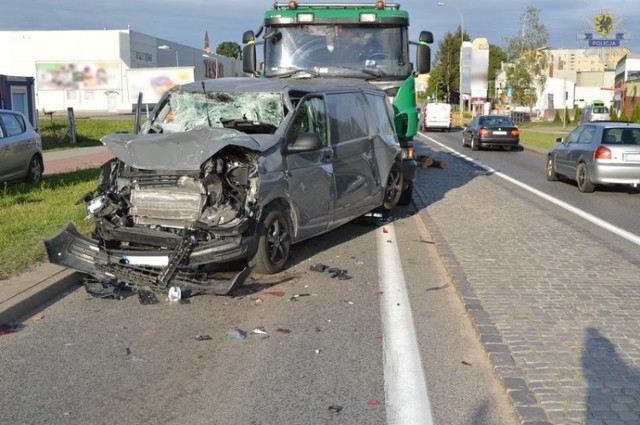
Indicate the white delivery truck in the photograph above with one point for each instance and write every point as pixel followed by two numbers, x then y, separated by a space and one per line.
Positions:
pixel 437 116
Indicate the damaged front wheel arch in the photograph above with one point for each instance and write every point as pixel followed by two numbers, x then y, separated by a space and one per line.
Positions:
pixel 274 243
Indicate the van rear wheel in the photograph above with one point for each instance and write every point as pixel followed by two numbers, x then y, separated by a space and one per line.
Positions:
pixel 393 190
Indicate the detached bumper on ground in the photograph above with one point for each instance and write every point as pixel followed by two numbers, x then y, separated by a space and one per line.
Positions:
pixel 71 249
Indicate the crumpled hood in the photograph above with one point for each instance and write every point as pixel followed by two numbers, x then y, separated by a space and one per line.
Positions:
pixel 175 151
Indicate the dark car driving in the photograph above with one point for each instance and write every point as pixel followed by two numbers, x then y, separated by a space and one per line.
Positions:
pixel 496 131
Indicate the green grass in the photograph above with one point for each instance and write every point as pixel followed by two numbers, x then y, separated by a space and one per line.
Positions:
pixel 539 139
pixel 88 131
pixel 31 213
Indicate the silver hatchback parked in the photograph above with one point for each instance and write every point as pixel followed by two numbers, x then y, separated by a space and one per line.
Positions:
pixel 20 149
pixel 597 153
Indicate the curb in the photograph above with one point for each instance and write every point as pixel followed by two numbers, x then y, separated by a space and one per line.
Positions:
pixel 21 295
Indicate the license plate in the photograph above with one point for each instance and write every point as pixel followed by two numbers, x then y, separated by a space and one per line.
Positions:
pixel 500 133
pixel 146 260
pixel 635 156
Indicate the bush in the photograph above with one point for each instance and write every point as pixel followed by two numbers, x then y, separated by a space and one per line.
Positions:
pixel 623 115
pixel 576 115
pixel 614 115
pixel 635 115
pixel 556 118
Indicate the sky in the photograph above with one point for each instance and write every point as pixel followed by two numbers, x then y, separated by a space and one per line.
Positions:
pixel 185 21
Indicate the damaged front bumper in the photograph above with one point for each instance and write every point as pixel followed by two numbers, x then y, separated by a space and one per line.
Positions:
pixel 147 270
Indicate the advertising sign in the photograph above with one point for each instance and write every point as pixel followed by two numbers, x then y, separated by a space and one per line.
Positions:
pixel 78 76
pixel 153 82
pixel 479 68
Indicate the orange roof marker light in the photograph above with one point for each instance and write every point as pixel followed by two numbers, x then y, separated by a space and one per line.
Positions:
pixel 293 5
pixel 379 5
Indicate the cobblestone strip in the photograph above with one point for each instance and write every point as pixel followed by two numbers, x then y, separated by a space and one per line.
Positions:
pixel 555 306
pixel 524 401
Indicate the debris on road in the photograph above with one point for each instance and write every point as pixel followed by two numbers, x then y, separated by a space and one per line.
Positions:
pixel 340 274
pixel 203 337
pixel 147 298
pixel 425 161
pixel 259 331
pixel 237 333
pixel 335 408
pixel 10 329
pixel 283 331
pixel 274 293
pixel 466 363
pixel 296 296
pixel 175 294
pixel 320 268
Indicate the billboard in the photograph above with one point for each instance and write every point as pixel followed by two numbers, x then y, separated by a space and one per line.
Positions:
pixel 152 82
pixel 465 68
pixel 479 68
pixel 80 75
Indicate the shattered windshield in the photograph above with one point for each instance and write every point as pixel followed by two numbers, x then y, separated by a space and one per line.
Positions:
pixel 337 50
pixel 186 110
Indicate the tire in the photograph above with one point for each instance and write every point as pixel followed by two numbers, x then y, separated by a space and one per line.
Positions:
pixel 274 243
pixel 464 144
pixel 582 177
pixel 474 144
pixel 34 173
pixel 407 195
pixel 550 170
pixel 393 189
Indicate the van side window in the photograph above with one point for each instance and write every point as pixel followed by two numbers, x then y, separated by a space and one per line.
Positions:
pixel 347 117
pixel 13 124
pixel 310 117
pixel 382 111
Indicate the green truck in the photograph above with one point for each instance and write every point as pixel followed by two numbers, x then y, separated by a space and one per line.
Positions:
pixel 367 41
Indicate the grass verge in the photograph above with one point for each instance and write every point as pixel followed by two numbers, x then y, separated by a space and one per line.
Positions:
pixel 538 139
pixel 31 213
pixel 88 131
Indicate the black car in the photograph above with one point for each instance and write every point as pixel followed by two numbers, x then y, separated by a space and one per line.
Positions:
pixel 496 131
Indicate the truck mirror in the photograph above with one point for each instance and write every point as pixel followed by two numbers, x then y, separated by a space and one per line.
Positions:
pixel 426 37
pixel 249 59
pixel 423 59
pixel 247 37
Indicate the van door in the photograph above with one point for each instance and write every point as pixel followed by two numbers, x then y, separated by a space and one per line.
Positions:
pixel 354 167
pixel 310 174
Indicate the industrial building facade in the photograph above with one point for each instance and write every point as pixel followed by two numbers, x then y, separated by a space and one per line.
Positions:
pixel 104 70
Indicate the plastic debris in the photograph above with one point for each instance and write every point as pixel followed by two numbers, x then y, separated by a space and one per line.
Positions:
pixel 466 363
pixel 132 357
pixel 259 331
pixel 147 298
pixel 175 294
pixel 318 267
pixel 237 333
pixel 384 230
pixel 274 293
pixel 374 403
pixel 203 337
pixel 335 408
pixel 9 329
pixel 340 274
pixel 296 296
pixel 283 331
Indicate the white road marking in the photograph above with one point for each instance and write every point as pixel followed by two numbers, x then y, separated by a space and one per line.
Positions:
pixel 407 401
pixel 589 217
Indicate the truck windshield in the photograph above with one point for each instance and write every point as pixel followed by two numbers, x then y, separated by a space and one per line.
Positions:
pixel 337 50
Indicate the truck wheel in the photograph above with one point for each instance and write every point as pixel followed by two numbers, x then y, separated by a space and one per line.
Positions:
pixel 407 195
pixel 274 243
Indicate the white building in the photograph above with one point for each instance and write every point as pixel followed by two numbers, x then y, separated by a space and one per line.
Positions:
pixel 104 70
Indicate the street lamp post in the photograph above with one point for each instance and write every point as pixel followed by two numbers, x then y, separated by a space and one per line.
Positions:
pixel 165 47
pixel 442 4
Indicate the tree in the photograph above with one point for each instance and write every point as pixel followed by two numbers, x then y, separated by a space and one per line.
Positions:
pixel 230 49
pixel 527 73
pixel 448 58
pixel 436 83
pixel 496 57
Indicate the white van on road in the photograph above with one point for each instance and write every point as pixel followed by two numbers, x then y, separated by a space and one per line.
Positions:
pixel 435 116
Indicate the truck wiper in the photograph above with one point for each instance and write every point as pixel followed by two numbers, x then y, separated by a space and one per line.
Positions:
pixel 372 72
pixel 296 71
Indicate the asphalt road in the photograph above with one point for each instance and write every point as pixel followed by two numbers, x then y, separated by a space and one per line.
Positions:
pixel 88 360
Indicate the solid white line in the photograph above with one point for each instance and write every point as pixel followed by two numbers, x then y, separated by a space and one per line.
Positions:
pixel 632 237
pixel 407 401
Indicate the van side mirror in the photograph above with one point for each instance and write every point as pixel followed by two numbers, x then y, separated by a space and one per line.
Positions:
pixel 249 53
pixel 305 142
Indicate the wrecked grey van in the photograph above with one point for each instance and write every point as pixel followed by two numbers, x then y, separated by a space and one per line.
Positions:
pixel 234 170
